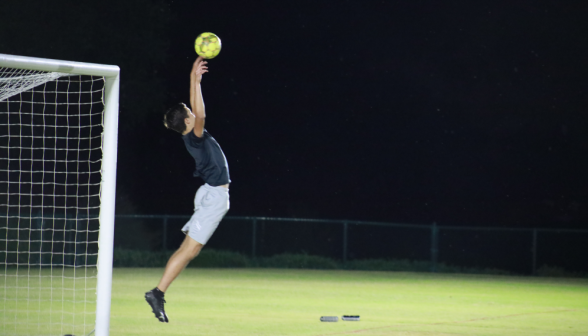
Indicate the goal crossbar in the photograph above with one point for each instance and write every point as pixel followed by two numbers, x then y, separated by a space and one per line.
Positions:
pixel 111 74
pixel 50 65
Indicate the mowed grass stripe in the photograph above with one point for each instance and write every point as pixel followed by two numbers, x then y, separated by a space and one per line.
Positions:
pixel 290 302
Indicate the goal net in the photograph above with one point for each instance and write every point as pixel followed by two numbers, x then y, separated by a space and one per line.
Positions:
pixel 53 130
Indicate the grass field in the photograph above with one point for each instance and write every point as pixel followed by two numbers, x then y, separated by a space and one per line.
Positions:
pixel 290 302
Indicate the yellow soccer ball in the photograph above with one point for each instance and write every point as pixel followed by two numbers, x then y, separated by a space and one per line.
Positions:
pixel 207 45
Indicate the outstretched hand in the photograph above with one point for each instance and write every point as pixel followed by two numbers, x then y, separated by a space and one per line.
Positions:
pixel 198 69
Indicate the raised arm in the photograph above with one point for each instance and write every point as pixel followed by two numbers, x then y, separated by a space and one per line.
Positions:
pixel 196 101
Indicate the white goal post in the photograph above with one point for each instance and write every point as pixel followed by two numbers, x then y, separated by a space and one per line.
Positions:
pixel 43 260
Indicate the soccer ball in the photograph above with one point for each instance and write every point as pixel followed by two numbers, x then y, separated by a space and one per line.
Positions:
pixel 207 45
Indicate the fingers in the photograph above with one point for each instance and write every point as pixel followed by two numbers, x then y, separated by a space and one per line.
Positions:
pixel 199 60
pixel 202 68
pixel 199 66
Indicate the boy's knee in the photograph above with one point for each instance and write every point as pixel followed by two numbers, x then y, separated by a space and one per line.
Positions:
pixel 189 252
pixel 190 248
pixel 195 252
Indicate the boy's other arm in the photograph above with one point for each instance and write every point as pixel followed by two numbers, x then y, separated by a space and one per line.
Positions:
pixel 196 101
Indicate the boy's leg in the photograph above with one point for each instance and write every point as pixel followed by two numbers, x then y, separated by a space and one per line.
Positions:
pixel 210 206
pixel 178 261
pixel 175 265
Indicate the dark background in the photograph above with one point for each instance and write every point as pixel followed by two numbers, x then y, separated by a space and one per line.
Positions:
pixel 462 112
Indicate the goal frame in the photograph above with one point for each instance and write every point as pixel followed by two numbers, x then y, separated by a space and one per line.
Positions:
pixel 111 74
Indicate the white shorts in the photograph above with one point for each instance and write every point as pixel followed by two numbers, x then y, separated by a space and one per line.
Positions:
pixel 210 206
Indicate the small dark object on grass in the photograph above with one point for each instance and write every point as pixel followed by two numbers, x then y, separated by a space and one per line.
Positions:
pixel 350 318
pixel 329 318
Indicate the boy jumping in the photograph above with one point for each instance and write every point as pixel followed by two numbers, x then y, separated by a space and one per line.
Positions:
pixel 212 199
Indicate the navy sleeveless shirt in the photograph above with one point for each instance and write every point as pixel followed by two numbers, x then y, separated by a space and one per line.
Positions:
pixel 211 164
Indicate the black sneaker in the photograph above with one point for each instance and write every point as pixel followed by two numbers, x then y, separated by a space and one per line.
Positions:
pixel 155 299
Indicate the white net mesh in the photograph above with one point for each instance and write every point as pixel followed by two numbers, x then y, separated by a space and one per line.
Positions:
pixel 15 81
pixel 50 160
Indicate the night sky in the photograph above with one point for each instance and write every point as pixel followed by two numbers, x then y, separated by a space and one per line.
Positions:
pixel 460 112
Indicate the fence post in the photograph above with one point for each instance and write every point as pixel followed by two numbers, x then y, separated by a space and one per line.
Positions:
pixel 67 239
pixel 36 234
pixel 344 242
pixel 164 236
pixel 434 246
pixel 534 252
pixel 253 237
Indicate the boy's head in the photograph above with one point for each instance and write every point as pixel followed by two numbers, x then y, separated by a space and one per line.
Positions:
pixel 177 118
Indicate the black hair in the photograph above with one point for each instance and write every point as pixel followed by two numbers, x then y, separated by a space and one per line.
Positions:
pixel 174 118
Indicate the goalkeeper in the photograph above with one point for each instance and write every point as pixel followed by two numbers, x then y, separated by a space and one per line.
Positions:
pixel 212 199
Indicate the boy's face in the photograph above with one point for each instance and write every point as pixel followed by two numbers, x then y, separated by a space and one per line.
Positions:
pixel 189 120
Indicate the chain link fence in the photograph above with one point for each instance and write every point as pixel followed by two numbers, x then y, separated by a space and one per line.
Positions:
pixel 519 250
